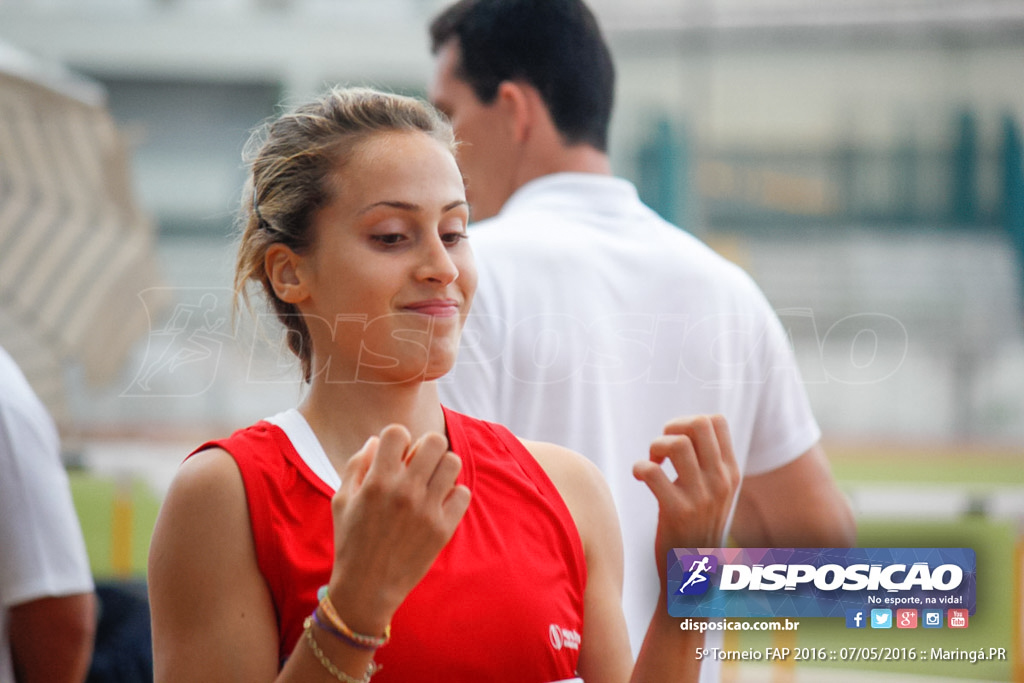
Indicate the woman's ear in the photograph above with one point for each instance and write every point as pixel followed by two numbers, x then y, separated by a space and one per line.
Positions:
pixel 285 272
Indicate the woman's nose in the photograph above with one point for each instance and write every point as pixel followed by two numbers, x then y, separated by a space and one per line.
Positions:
pixel 437 264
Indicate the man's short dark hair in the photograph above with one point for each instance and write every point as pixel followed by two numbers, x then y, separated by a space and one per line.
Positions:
pixel 554 45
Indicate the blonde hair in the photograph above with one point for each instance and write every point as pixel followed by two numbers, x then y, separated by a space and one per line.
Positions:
pixel 291 160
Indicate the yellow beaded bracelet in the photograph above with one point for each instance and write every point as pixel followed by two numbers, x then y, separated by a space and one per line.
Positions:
pixel 328 664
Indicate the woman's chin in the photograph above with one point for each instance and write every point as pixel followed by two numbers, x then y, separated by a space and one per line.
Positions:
pixel 436 371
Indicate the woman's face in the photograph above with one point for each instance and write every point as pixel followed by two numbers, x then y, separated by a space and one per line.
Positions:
pixel 390 275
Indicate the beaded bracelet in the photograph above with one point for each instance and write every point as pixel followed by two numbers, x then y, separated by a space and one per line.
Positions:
pixel 326 626
pixel 328 664
pixel 341 629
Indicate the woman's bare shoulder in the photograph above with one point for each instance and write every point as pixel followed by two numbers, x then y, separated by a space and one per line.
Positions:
pixel 565 467
pixel 206 499
pixel 581 485
pixel 211 467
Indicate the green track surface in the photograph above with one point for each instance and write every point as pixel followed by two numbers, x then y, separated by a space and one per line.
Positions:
pixel 971 467
pixel 94 499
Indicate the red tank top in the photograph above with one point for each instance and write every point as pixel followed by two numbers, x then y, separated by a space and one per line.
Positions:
pixel 502 602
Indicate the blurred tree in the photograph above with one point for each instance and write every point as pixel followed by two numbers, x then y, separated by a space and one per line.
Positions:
pixel 1012 158
pixel 965 170
pixel 662 172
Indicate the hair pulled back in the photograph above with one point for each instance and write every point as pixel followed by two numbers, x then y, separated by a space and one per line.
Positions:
pixel 295 164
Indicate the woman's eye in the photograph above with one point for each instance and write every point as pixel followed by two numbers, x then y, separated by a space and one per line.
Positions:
pixel 388 239
pixel 453 238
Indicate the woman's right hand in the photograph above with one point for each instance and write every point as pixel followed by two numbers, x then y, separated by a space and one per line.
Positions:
pixel 396 509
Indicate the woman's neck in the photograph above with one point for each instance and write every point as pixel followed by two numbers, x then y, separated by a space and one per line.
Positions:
pixel 344 415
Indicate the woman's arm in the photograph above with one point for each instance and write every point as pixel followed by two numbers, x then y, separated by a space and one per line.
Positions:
pixel 693 511
pixel 213 618
pixel 212 615
pixel 604 653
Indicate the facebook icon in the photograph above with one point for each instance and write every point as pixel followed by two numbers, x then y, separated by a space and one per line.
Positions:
pixel 856 618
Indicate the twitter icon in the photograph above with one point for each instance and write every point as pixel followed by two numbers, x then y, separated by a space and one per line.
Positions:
pixel 881 618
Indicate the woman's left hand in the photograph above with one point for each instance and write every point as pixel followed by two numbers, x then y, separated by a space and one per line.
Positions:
pixel 693 509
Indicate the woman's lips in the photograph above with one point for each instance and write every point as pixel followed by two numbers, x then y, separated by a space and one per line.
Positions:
pixel 435 307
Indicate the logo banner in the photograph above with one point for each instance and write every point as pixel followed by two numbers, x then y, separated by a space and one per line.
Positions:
pixel 817 582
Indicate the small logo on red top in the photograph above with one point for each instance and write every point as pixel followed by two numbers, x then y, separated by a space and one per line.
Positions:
pixel 564 638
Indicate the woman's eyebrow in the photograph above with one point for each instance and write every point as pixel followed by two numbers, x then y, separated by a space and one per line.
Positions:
pixel 409 206
pixel 404 206
pixel 454 205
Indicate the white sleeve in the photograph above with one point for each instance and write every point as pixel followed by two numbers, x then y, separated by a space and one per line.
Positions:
pixel 41 545
pixel 784 426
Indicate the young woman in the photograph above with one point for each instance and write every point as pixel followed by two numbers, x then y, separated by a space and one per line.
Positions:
pixel 372 532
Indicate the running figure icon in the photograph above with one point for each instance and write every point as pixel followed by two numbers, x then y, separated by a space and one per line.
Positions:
pixel 697 573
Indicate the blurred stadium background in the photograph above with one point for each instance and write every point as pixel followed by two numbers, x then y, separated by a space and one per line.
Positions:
pixel 861 159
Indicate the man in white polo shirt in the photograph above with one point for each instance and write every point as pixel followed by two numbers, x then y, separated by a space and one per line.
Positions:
pixel 47 604
pixel 595 321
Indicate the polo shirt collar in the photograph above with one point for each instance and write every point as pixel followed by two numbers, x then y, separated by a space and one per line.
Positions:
pixel 581 192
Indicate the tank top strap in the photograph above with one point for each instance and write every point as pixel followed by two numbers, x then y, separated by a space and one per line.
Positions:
pixel 457 425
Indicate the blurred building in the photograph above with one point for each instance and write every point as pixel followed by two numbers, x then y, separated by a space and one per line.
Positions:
pixel 861 159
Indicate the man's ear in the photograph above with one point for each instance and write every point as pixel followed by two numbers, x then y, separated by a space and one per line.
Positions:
pixel 517 101
pixel 285 272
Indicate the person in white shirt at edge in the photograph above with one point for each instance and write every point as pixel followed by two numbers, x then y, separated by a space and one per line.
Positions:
pixel 596 322
pixel 47 599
